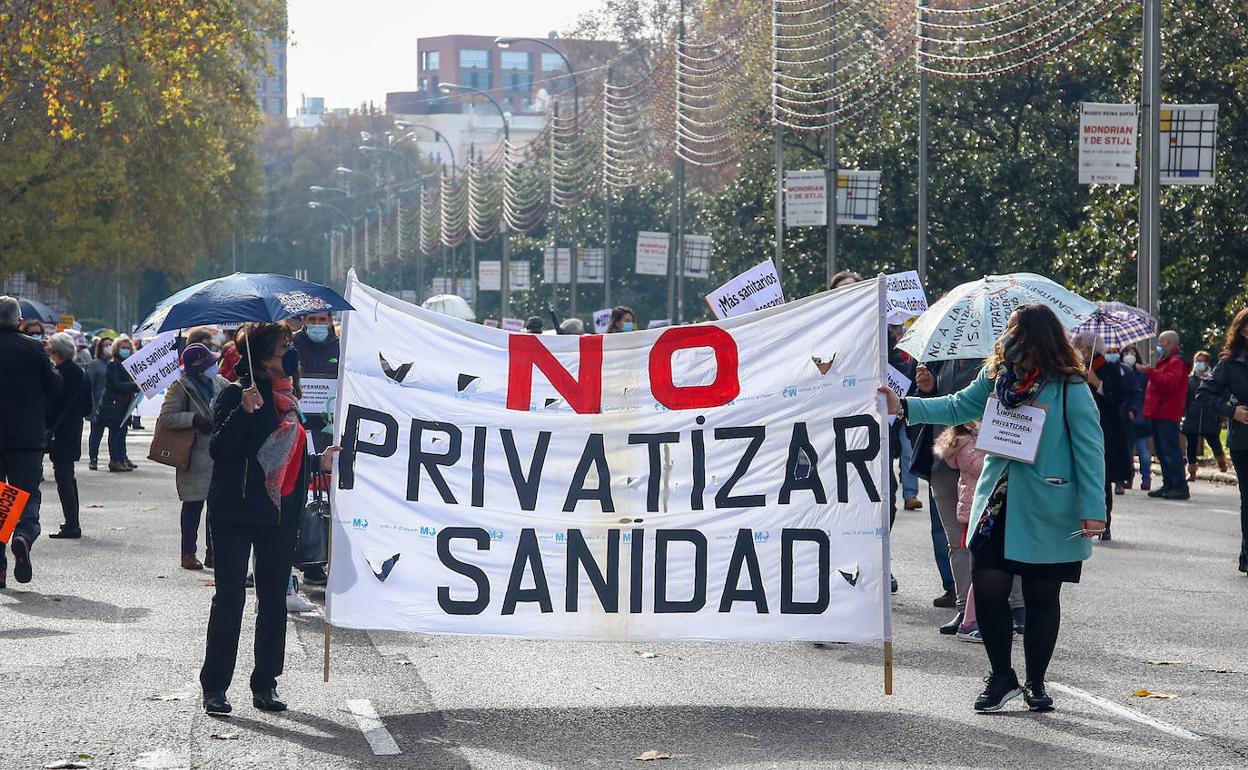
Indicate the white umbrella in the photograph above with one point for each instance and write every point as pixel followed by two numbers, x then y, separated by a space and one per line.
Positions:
pixel 966 322
pixel 450 304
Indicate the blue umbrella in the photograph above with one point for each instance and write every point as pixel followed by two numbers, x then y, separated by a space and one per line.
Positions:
pixel 33 309
pixel 241 298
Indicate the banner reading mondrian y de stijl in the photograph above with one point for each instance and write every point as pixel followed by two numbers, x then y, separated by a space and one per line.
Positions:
pixel 719 481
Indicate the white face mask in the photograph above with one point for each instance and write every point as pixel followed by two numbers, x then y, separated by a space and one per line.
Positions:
pixel 1129 359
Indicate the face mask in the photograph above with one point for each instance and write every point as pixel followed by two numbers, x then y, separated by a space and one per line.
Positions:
pixel 1111 357
pixel 626 326
pixel 124 353
pixel 218 339
pixel 1161 352
pixel 35 334
pixel 290 362
pixel 1200 367
pixel 1129 359
pixel 317 332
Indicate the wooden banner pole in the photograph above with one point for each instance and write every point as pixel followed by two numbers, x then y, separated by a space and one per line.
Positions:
pixel 328 628
pixel 888 667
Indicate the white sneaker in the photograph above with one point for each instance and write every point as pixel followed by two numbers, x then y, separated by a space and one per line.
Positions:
pixel 296 603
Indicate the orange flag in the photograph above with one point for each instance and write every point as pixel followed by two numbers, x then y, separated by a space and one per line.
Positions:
pixel 12 503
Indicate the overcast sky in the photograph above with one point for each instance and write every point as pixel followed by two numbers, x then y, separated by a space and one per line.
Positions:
pixel 354 52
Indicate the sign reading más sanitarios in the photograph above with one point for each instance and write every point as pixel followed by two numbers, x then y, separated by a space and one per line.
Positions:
pixel 715 481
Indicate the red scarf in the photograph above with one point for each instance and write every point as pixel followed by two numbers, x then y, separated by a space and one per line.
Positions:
pixel 279 455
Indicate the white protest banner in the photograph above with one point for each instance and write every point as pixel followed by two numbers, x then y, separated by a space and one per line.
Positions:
pixel 906 297
pixel 408 295
pixel 805 198
pixel 652 249
pixel 316 394
pixel 441 285
pixel 858 198
pixel 1107 138
pixel 756 288
pixel 464 288
pixel 150 407
pixel 658 323
pixel 1189 138
pixel 491 322
pixel 719 481
pixel 591 265
pixel 513 325
pixel 602 318
pixel 154 366
pixel 490 274
pixel 697 256
pixel 520 278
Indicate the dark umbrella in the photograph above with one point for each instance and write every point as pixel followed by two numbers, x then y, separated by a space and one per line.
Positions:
pixel 33 309
pixel 241 298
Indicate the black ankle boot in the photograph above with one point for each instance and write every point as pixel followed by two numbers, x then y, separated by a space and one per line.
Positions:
pixel 951 628
pixel 267 700
pixel 215 703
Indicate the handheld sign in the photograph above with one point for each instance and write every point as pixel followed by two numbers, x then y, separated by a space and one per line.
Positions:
pixel 154 366
pixel 756 288
pixel 1011 433
pixel 12 503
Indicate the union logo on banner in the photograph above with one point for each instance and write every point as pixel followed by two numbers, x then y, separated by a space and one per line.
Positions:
pixel 12 503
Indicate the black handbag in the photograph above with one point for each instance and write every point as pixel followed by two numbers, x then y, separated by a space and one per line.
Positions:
pixel 312 543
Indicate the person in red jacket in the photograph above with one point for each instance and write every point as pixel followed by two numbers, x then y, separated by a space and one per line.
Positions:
pixel 1164 402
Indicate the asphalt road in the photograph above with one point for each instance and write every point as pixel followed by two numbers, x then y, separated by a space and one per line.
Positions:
pixel 99 657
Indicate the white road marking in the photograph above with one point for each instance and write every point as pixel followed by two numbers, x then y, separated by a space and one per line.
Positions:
pixel 1126 713
pixel 379 738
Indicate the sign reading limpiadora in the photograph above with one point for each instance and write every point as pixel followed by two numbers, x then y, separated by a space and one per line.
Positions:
pixel 715 481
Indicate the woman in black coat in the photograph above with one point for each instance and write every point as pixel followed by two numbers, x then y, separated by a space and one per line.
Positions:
pixel 1111 394
pixel 1200 421
pixel 1226 392
pixel 114 409
pixel 63 417
pixel 255 499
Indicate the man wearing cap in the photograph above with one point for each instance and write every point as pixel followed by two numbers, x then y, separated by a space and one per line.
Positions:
pixel 188 406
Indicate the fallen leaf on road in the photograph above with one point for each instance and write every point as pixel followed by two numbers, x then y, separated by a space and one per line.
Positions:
pixel 66 764
pixel 160 577
pixel 169 696
pixel 650 755
pixel 94 505
pixel 1152 694
pixel 208 583
pixel 1165 662
pixel 225 736
pixel 1222 671
pixel 144 510
pixel 117 529
pixel 645 654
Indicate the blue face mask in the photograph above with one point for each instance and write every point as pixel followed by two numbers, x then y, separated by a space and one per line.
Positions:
pixel 626 326
pixel 124 353
pixel 317 332
pixel 1161 352
pixel 1200 366
pixel 1111 357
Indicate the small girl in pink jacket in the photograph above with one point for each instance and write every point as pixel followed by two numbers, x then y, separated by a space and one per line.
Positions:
pixel 956 446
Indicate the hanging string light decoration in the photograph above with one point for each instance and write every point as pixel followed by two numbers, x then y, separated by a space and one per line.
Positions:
pixel 453 208
pixel 715 109
pixel 485 194
pixel 430 220
pixel 525 186
pixel 981 39
pixel 572 167
pixel 834 60
pixel 629 136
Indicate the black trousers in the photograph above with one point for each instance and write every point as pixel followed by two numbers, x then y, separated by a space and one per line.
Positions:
pixel 1193 443
pixel 1240 458
pixel 232 545
pixel 67 491
pixel 24 470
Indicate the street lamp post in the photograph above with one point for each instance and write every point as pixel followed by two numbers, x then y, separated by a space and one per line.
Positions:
pixel 505 281
pixel 314 205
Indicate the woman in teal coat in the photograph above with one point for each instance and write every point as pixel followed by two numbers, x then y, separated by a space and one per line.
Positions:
pixel 1055 505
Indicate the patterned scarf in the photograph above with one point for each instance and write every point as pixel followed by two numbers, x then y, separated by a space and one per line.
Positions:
pixel 278 450
pixel 1014 392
